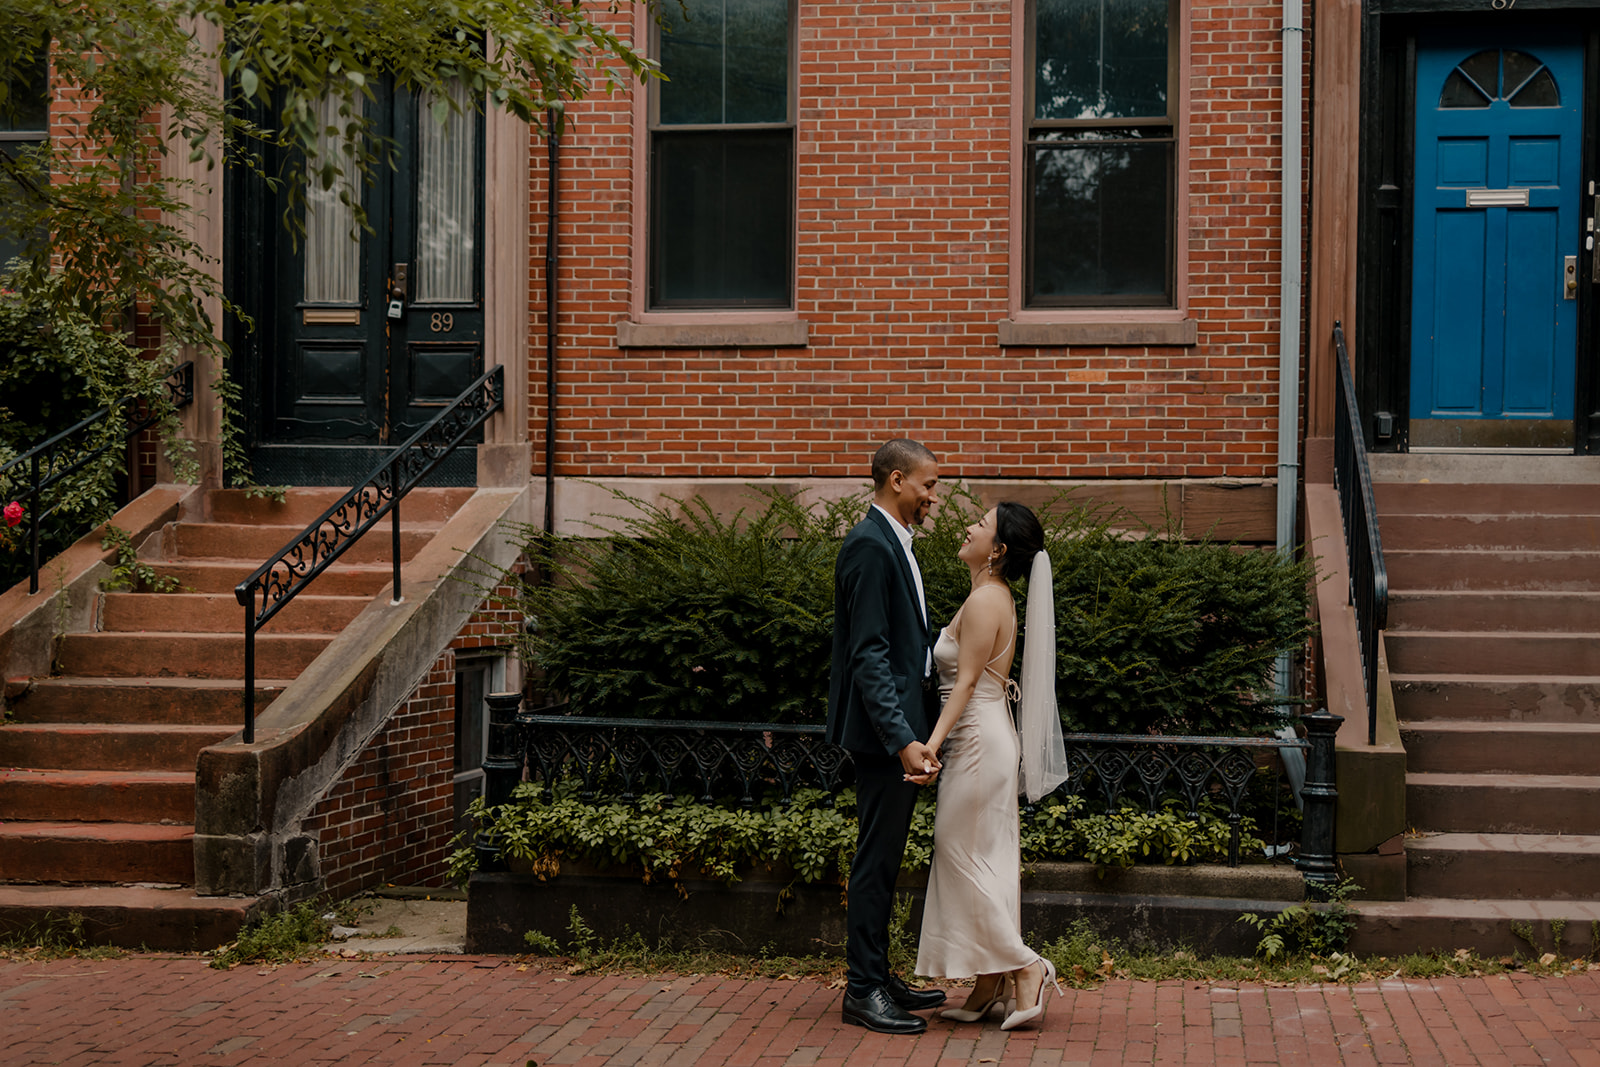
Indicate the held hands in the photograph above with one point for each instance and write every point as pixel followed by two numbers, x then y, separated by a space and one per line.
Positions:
pixel 920 762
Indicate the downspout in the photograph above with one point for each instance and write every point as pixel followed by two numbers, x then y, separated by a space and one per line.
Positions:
pixel 1289 258
pixel 1289 311
pixel 552 262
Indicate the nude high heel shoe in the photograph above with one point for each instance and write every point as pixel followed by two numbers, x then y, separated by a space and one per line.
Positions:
pixel 1018 1018
pixel 966 1015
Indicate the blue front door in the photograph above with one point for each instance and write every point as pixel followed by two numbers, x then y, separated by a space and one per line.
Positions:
pixel 1497 234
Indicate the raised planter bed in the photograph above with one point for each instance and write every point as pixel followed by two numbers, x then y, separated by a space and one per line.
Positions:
pixel 1160 907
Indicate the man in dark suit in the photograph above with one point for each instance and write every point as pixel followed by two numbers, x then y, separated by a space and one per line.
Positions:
pixel 882 705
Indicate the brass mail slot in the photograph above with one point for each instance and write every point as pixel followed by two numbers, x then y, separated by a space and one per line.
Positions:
pixel 331 316
pixel 1497 198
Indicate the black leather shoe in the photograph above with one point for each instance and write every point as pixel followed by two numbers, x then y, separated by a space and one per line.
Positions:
pixel 876 1011
pixel 913 999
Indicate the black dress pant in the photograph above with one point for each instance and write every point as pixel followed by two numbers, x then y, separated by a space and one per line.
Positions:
pixel 884 806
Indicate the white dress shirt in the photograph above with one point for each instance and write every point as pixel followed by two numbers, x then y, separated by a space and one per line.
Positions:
pixel 903 532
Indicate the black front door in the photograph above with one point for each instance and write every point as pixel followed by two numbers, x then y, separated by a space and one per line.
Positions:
pixel 366 333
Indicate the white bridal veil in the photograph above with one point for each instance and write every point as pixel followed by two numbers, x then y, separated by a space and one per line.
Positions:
pixel 1044 754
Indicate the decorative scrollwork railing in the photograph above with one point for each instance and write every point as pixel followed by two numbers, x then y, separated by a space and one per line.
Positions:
pixel 751 761
pixel 627 757
pixel 294 566
pixel 1190 769
pixel 70 451
pixel 1352 477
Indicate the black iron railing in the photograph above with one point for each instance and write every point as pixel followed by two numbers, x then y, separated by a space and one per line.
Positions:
pixel 295 565
pixel 752 761
pixel 1352 476
pixel 70 451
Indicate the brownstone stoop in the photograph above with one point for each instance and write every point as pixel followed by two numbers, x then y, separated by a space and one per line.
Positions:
pixel 98 759
pixel 1494 656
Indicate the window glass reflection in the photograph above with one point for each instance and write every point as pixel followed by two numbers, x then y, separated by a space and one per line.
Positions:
pixel 1100 59
pixel 1101 214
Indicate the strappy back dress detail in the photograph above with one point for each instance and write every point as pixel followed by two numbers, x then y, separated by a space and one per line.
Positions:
pixel 972 922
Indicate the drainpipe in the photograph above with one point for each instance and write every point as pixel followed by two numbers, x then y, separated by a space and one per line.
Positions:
pixel 552 262
pixel 1289 335
pixel 1289 311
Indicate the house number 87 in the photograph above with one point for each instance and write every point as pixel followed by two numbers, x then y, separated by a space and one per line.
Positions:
pixel 444 322
pixel 1502 5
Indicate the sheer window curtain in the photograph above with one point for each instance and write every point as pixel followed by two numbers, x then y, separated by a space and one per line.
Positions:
pixel 447 199
pixel 333 242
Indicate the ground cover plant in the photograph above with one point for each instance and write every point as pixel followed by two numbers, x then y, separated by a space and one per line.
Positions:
pixel 813 837
pixel 687 615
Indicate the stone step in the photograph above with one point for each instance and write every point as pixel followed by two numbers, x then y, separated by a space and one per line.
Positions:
pixel 107 746
pixel 1485 569
pixel 222 613
pixel 1487 927
pixel 1447 498
pixel 1512 698
pixel 163 919
pixel 1503 804
pixel 97 852
pixel 1494 610
pixel 196 701
pixel 256 544
pixel 218 576
pixel 1511 652
pixel 1493 866
pixel 98 796
pixel 421 507
pixel 186 655
pixel 1512 533
pixel 1454 747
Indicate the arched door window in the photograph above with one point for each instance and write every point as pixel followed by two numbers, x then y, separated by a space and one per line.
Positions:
pixel 1518 78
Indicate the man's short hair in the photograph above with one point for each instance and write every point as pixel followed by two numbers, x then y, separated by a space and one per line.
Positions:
pixel 902 454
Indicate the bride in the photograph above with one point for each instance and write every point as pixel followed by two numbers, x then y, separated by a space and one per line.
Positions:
pixel 972 923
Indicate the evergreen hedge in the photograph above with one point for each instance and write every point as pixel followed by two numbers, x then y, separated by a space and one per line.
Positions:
pixel 688 616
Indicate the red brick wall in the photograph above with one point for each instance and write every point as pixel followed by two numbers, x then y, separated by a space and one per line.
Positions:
pixel 903 216
pixel 389 817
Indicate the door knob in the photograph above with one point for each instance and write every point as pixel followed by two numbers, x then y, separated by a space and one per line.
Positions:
pixel 1569 275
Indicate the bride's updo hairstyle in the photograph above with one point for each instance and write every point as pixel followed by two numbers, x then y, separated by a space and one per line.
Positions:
pixel 1017 528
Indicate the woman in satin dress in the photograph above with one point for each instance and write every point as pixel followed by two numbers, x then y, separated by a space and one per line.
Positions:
pixel 972 924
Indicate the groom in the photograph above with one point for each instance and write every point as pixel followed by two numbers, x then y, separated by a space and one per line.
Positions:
pixel 882 704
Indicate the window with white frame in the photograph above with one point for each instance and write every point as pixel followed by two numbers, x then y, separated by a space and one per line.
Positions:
pixel 1101 153
pixel 24 123
pixel 721 164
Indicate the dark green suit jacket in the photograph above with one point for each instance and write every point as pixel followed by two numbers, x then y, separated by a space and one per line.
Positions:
pixel 876 701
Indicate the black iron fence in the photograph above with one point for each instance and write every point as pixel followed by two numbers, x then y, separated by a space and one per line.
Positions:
pixel 295 565
pixel 752 761
pixel 48 463
pixel 1352 476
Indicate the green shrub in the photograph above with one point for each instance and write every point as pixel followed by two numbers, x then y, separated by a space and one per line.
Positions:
pixel 688 616
pixel 56 367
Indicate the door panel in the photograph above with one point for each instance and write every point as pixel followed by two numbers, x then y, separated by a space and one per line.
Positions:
pixel 1495 213
pixel 375 330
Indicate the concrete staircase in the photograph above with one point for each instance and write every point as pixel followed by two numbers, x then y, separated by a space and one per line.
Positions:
pixel 1494 655
pixel 97 764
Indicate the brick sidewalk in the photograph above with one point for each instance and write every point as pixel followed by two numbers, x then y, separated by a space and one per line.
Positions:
pixel 467 1010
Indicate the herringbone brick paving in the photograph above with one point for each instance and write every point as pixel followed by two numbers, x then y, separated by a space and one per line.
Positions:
pixel 465 1011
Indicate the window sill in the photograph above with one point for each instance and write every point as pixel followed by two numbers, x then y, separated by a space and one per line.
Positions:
pixel 792 333
pixel 1178 332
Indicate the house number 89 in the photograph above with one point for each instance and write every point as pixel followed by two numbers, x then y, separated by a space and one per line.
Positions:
pixel 444 322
